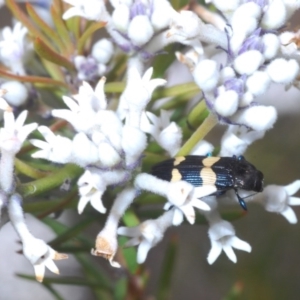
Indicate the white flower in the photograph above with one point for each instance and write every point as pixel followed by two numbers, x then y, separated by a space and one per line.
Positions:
pixel 91 9
pixel 236 140
pixel 91 188
pixel 167 134
pixel 181 194
pixel 206 74
pixel 248 62
pixel 41 256
pixel 222 237
pixel 17 93
pixel 147 234
pixel 140 30
pixel 186 198
pixel 258 83
pixel 137 94
pixel 121 17
pixel 275 16
pixel 12 47
pixel 56 148
pixel 226 103
pixel 283 71
pixel 106 241
pixel 258 118
pixel 106 246
pixel 14 132
pixel 278 199
pixel 92 184
pixel 103 51
pixel 82 112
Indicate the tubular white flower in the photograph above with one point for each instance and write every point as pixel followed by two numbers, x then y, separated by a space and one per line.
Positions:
pixel 271 45
pixel 14 132
pixel 180 194
pixel 226 6
pixel 12 136
pixel 283 71
pixel 12 48
pixel 202 148
pixel 243 22
pixel 170 138
pixel 39 254
pixel 108 156
pixel 140 30
pixel 188 29
pixel 256 117
pixel 162 14
pixel 84 151
pixel 106 241
pixel 206 74
pixel 248 62
pixel 258 83
pixel 226 103
pixel 147 234
pixel 56 148
pixel 275 16
pixel 236 140
pixel 103 51
pixel 17 93
pixel 278 199
pixel 288 46
pixel 121 17
pixel 91 10
pixel 137 94
pixel 91 188
pixel 134 142
pixel 222 237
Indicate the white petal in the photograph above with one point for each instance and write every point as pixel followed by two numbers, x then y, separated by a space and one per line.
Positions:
pixel 83 201
pixel 290 215
pixel 143 250
pixel 294 201
pixel 39 271
pixel 21 119
pixel 230 253
pixel 26 130
pixel 189 213
pixel 129 231
pixel 49 263
pixel 203 191
pixel 200 204
pixel 97 203
pixel 177 217
pixel 133 242
pixel 214 252
pixel 240 244
pixel 73 106
pixel 292 188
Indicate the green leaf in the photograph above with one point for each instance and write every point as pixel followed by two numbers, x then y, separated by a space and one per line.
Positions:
pixel 44 27
pixel 87 35
pixel 167 270
pixel 120 290
pixel 47 53
pixel 48 183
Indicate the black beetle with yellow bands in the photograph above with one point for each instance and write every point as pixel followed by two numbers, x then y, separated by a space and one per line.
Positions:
pixel 224 173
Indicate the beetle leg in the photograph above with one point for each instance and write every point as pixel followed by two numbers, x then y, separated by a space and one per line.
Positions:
pixel 241 201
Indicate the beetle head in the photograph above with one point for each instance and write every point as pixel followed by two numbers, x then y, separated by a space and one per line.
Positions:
pixel 247 177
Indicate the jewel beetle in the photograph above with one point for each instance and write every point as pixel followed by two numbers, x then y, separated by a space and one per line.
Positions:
pixel 224 173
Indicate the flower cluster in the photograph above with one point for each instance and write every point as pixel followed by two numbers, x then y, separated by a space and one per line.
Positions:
pixel 245 52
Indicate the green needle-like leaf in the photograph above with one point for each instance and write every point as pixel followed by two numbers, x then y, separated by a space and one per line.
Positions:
pixel 45 52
